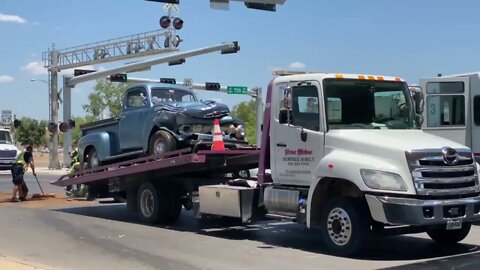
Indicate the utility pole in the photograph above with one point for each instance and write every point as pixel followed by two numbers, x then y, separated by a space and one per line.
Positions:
pixel 53 93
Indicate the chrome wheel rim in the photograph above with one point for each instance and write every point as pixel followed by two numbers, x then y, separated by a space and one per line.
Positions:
pixel 147 203
pixel 339 226
pixel 94 161
pixel 243 174
pixel 159 147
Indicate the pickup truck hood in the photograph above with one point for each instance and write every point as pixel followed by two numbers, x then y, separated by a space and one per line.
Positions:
pixel 385 142
pixel 196 109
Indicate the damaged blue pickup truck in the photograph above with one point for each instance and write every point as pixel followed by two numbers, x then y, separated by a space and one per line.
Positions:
pixel 157 118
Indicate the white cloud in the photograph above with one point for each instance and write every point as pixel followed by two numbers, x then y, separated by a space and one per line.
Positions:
pixel 297 65
pixel 11 18
pixel 5 78
pixel 35 68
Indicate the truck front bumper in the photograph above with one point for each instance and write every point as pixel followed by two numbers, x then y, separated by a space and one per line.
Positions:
pixel 416 212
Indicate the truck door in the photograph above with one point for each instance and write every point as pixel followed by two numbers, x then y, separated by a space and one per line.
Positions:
pixel 298 133
pixel 446 108
pixel 132 119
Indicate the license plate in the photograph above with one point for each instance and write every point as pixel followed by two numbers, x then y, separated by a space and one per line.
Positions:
pixel 454 224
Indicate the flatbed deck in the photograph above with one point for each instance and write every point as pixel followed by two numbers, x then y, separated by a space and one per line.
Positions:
pixel 180 162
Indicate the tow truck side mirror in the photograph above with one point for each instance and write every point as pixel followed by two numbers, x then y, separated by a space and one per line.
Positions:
pixel 418 99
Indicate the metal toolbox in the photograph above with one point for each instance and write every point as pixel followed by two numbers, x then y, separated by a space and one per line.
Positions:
pixel 229 201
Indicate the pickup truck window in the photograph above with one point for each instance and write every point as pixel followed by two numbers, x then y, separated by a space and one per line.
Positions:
pixel 167 95
pixel 136 98
pixel 367 104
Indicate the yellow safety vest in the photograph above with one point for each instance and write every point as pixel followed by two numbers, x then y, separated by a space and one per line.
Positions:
pixel 20 159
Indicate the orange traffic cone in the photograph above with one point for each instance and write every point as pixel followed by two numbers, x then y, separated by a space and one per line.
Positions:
pixel 217 144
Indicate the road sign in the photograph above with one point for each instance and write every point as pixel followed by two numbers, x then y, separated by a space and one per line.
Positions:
pixel 166 7
pixel 241 90
pixel 188 83
pixel 6 117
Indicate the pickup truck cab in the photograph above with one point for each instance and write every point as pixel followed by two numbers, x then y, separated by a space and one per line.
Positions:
pixel 8 150
pixel 157 118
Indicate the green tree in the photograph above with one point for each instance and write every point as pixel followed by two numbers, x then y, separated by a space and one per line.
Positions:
pixel 106 96
pixel 246 112
pixel 31 132
pixel 76 131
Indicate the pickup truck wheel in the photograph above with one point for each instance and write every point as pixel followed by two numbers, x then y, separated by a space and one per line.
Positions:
pixel 449 237
pixel 92 159
pixel 161 142
pixel 345 226
pixel 151 205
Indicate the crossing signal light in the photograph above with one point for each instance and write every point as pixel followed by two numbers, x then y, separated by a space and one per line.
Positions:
pixel 168 80
pixel 164 22
pixel 175 41
pixel 177 23
pixel 63 127
pixel 212 86
pixel 52 127
pixel 118 77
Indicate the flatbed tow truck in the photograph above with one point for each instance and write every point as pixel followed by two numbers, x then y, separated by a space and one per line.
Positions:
pixel 333 157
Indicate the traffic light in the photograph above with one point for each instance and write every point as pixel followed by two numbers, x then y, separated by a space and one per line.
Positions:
pixel 261 6
pixel 164 22
pixel 176 62
pixel 177 23
pixel 78 72
pixel 17 123
pixel 52 127
pixel 71 123
pixel 168 80
pixel 212 86
pixel 235 49
pixel 122 77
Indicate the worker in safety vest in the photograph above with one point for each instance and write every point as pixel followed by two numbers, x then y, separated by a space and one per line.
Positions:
pixel 23 161
pixel 75 190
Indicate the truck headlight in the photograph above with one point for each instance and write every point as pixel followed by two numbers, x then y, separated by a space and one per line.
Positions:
pixel 383 180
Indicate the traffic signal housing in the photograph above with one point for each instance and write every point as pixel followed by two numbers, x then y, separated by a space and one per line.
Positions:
pixel 168 80
pixel 17 123
pixel 122 77
pixel 212 86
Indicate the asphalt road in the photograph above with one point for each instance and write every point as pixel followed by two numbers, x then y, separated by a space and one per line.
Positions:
pixel 108 237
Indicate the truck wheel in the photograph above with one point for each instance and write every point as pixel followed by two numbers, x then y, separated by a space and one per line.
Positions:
pixel 92 159
pixel 345 226
pixel 151 207
pixel 449 237
pixel 161 142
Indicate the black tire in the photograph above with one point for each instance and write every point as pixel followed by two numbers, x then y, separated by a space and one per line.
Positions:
pixel 450 237
pixel 355 235
pixel 157 205
pixel 161 136
pixel 92 153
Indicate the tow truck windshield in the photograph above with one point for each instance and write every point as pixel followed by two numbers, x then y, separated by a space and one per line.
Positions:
pixel 356 104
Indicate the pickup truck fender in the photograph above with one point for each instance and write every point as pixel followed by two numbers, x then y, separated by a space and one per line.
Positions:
pixel 344 166
pixel 101 141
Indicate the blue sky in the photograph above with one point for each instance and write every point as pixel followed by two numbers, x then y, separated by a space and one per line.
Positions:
pixel 407 38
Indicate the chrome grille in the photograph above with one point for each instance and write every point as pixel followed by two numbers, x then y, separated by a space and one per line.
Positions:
pixel 433 176
pixel 8 153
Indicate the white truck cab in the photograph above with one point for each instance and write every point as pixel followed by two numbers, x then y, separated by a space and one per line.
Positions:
pixel 347 150
pixel 8 150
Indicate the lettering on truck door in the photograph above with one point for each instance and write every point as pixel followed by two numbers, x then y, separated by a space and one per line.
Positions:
pixel 299 136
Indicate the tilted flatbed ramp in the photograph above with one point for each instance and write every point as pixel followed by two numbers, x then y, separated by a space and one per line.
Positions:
pixel 179 162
